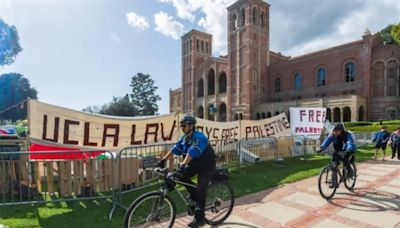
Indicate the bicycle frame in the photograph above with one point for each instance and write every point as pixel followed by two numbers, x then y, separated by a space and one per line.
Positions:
pixel 164 188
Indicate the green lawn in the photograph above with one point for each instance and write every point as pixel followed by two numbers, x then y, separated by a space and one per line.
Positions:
pixel 245 179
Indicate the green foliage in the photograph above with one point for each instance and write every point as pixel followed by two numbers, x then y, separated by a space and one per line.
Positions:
pixel 372 128
pixel 396 33
pixel 119 106
pixel 359 123
pixel 143 95
pixel 14 88
pixel 391 34
pixel 9 43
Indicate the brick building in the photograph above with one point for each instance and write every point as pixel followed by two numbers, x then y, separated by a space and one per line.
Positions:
pixel 354 81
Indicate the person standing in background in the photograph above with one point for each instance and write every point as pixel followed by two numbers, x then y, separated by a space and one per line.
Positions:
pixel 394 142
pixel 381 138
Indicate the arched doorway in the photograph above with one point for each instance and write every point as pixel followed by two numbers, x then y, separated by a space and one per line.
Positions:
pixel 222 112
pixel 346 114
pixel 211 111
pixel 328 114
pixel 200 112
pixel 336 115
pixel 361 113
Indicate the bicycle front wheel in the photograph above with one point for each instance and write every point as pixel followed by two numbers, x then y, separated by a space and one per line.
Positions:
pixel 219 202
pixel 327 182
pixel 150 210
pixel 350 182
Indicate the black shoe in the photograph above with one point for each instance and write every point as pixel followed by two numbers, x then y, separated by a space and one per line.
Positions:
pixel 197 222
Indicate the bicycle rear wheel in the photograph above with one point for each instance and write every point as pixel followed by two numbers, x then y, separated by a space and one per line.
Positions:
pixel 327 182
pixel 350 182
pixel 219 202
pixel 150 210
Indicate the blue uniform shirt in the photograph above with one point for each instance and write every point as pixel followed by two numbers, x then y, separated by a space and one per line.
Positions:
pixel 195 146
pixel 345 143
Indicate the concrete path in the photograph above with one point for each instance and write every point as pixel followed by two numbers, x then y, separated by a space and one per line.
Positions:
pixel 375 202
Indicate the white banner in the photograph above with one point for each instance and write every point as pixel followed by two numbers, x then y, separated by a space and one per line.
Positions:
pixel 58 125
pixel 307 121
pixel 70 127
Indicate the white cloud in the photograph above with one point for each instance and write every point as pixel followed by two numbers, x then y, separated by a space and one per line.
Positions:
pixel 296 28
pixel 184 9
pixel 347 28
pixel 137 21
pixel 167 26
pixel 213 19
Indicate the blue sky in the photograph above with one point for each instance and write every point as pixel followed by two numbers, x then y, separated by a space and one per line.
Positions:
pixel 83 52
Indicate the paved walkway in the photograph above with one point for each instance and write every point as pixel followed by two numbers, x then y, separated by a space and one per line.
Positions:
pixel 375 202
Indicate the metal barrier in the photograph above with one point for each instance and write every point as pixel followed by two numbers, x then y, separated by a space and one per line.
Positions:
pixel 51 176
pixel 258 149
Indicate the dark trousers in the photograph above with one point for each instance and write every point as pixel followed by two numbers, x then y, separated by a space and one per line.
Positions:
pixel 204 175
pixel 346 161
pixel 396 147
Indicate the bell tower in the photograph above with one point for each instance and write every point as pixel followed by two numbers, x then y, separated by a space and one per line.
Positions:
pixel 248 51
pixel 196 48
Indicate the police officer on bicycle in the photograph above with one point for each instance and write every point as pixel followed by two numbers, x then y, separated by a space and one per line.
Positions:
pixel 199 159
pixel 342 141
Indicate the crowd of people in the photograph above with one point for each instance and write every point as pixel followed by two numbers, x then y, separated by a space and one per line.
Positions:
pixel 383 138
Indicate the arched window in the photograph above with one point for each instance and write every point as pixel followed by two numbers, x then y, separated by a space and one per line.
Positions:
pixel 350 71
pixel 198 45
pixel 258 116
pixel 234 22
pixel 297 81
pixel 200 88
pixel 202 46
pixel 222 112
pixel 321 77
pixel 262 19
pixel 211 82
pixel 346 114
pixel 200 112
pixel 242 17
pixel 241 116
pixel 255 16
pixel 222 82
pixel 276 113
pixel 236 116
pixel 277 85
pixel 269 114
pixel 336 115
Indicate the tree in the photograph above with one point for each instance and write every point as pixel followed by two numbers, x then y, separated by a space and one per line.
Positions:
pixel 9 43
pixel 92 109
pixel 119 106
pixel 396 33
pixel 391 34
pixel 14 88
pixel 143 95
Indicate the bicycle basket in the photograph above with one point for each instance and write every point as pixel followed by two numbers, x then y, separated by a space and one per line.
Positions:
pixel 220 174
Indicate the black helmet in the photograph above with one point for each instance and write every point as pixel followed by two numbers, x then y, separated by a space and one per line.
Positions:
pixel 338 126
pixel 188 119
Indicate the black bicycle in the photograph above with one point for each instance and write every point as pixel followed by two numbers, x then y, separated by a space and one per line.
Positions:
pixel 157 209
pixel 331 176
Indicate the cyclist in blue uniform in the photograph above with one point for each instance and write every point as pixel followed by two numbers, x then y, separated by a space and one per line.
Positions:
pixel 199 159
pixel 342 141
